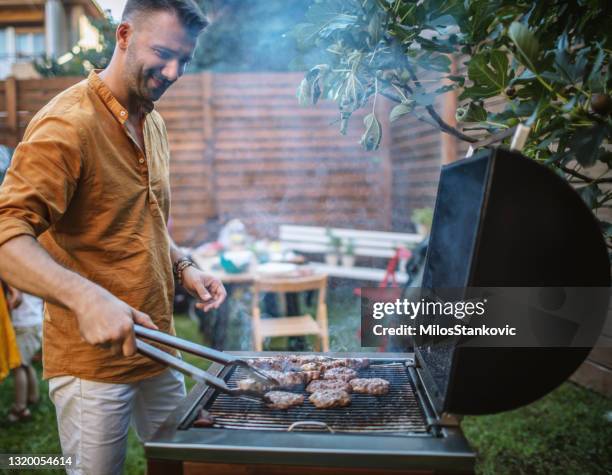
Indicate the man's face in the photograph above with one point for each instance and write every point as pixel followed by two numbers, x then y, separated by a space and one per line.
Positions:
pixel 157 54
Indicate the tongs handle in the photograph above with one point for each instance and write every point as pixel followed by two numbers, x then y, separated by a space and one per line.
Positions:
pixel 180 365
pixel 185 345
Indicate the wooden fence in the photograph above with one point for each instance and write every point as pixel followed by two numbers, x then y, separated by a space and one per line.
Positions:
pixel 242 148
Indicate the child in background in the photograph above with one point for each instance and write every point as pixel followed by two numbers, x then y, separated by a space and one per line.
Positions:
pixel 9 352
pixel 26 315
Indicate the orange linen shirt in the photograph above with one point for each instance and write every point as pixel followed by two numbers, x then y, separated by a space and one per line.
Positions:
pixel 99 206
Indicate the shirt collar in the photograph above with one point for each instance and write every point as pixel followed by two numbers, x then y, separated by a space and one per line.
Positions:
pixel 102 90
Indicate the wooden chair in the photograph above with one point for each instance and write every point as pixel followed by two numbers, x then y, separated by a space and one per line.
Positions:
pixel 294 325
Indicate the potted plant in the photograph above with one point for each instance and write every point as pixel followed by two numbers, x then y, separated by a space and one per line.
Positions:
pixel 334 247
pixel 422 218
pixel 348 256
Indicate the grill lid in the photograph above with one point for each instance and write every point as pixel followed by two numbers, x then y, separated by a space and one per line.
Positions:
pixel 502 220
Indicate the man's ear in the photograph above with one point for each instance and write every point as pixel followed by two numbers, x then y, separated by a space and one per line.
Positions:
pixel 123 35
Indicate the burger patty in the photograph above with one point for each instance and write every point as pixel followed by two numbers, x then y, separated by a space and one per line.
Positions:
pixel 283 400
pixel 375 386
pixel 285 379
pixel 321 384
pixel 342 373
pixel 328 398
pixel 353 363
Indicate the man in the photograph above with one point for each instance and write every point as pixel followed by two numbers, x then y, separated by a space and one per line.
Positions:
pixel 90 181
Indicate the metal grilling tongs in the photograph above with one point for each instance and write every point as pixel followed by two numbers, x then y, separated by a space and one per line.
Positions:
pixel 193 371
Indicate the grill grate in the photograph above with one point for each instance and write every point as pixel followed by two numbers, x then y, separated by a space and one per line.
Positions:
pixel 396 412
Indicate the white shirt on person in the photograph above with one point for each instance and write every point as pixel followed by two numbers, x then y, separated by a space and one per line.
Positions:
pixel 29 312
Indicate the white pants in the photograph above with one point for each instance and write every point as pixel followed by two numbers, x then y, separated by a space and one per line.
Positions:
pixel 93 418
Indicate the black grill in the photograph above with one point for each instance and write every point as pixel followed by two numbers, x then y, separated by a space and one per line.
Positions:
pixel 397 412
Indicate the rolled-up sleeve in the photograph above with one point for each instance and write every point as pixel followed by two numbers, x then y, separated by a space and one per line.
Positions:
pixel 42 178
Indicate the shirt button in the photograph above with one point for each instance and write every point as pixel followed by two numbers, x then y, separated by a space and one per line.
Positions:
pixel 141 160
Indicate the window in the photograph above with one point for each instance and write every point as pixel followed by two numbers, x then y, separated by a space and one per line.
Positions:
pixel 29 44
pixel 3 42
pixel 39 44
pixel 22 44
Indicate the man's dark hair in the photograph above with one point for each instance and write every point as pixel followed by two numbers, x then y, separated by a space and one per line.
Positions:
pixel 187 11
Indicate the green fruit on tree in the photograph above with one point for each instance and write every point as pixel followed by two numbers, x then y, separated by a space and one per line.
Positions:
pixel 601 104
pixel 512 121
pixel 606 157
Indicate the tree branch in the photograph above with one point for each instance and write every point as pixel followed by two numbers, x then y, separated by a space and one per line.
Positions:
pixel 390 97
pixel 444 127
pixel 576 174
pixel 447 128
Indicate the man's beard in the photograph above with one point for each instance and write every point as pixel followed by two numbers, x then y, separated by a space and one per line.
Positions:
pixel 139 79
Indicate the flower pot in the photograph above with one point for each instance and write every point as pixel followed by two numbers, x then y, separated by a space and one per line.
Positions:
pixel 331 259
pixel 348 260
pixel 423 230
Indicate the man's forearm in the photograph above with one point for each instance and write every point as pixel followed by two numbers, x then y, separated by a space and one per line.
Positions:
pixel 26 265
pixel 175 251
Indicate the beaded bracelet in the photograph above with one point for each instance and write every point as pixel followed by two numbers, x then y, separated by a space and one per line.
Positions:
pixel 180 265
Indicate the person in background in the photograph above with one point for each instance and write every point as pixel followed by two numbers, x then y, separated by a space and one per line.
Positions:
pixel 26 314
pixel 9 352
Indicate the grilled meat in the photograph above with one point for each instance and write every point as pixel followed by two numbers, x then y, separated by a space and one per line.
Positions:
pixel 312 366
pixel 276 363
pixel 250 384
pixel 310 376
pixel 321 384
pixel 283 400
pixel 306 363
pixel 328 398
pixel 287 379
pixel 353 363
pixel 342 373
pixel 375 386
pixel 204 419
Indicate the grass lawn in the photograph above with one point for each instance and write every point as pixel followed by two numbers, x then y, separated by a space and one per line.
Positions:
pixel 568 431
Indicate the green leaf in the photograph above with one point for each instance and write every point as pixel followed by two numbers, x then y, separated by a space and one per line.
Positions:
pixel 586 142
pixel 304 93
pixel 434 62
pixel 434 45
pixel 474 112
pixel 309 90
pixel 370 140
pixel 589 194
pixel 595 79
pixel 571 71
pixel 527 45
pixel 401 110
pixel 489 73
pixel 305 34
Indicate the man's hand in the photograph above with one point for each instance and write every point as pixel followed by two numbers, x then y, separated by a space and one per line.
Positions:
pixel 208 290
pixel 106 321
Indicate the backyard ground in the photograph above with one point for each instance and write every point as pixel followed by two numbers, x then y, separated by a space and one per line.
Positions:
pixel 569 431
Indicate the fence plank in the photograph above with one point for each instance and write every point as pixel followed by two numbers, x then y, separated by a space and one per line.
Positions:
pixel 11 112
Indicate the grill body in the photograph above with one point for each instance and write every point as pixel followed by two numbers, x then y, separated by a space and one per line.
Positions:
pixel 395 433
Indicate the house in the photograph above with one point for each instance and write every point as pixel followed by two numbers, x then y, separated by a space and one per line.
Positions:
pixel 35 28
